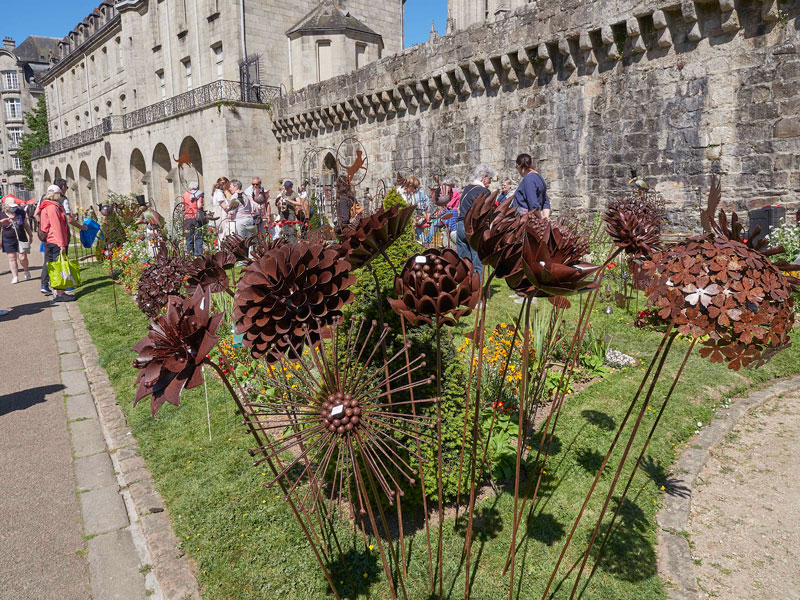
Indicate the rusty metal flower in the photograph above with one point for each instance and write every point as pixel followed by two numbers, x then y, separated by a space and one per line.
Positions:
pixel 287 290
pixel 634 223
pixel 159 281
pixel 236 248
pixel 172 353
pixel 436 284
pixel 208 272
pixel 721 288
pixel 372 236
pixel 335 412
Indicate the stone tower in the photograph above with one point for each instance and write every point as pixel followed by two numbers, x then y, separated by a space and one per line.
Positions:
pixel 466 13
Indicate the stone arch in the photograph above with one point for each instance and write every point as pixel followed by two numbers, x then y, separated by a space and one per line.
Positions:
pixel 101 181
pixel 57 174
pixel 189 146
pixel 47 179
pixel 138 170
pixel 86 186
pixel 72 186
pixel 163 178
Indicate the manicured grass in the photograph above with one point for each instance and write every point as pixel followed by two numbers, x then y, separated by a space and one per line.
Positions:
pixel 246 542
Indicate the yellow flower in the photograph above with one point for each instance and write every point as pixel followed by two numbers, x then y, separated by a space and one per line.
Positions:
pixel 371 547
pixel 365 575
pixel 503 325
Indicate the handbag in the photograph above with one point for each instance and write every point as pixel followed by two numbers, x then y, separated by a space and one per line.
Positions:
pixel 24 247
pixel 64 273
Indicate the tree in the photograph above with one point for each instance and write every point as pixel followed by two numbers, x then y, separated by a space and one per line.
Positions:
pixel 37 135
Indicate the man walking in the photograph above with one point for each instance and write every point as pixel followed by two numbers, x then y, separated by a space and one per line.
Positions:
pixel 192 219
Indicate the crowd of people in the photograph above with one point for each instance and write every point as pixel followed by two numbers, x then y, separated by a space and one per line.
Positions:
pixel 443 212
pixel 50 218
pixel 244 212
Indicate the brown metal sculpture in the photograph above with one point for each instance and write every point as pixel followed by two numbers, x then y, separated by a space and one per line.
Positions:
pixel 159 281
pixel 634 225
pixel 372 236
pixel 170 357
pixel 436 286
pixel 287 291
pixel 208 273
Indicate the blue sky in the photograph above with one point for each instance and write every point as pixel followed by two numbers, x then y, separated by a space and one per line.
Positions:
pixel 56 17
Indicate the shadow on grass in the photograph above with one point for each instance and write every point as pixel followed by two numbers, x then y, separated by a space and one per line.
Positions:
pixel 355 572
pixel 599 419
pixel 589 460
pixel 658 474
pixel 545 528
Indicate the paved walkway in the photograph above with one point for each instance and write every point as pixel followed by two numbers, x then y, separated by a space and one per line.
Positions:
pixel 64 527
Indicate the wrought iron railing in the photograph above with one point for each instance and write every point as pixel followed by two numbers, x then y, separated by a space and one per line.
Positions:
pixel 202 97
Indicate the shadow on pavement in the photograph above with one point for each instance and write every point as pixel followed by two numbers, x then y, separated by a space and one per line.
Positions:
pixel 27 398
pixel 25 310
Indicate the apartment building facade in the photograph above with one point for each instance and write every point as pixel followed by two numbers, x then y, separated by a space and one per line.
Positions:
pixel 21 69
pixel 140 84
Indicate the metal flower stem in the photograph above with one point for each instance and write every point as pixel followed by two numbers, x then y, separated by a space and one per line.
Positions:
pixel 665 339
pixel 421 471
pixel 297 514
pixel 520 435
pixel 475 434
pixel 639 462
pixel 628 446
pixel 398 496
pixel 439 557
pixel 480 322
pixel 558 398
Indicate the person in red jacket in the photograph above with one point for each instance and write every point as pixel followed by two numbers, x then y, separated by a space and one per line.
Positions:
pixel 53 222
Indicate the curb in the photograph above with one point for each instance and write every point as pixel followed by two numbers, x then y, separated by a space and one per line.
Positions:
pixel 169 572
pixel 675 564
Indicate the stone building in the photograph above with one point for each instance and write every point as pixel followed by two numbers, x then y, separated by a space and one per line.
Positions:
pixel 673 89
pixel 21 70
pixel 139 85
pixel 462 14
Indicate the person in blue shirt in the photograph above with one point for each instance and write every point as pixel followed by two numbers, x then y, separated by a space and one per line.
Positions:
pixel 532 191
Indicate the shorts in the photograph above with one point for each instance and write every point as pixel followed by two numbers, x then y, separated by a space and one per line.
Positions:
pixel 10 246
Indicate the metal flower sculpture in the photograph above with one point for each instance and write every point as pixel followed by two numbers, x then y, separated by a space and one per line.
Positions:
pixel 436 285
pixel 719 287
pixel 172 353
pixel 334 410
pixel 373 235
pixel 208 272
pixel 288 290
pixel 634 223
pixel 159 281
pixel 236 248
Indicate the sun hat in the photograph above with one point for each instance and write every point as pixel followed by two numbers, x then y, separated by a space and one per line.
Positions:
pixel 288 184
pixel 54 189
pixel 10 203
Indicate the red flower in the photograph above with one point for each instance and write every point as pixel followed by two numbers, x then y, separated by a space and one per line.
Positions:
pixel 612 265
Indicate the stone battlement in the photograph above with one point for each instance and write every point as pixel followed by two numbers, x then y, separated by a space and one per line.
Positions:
pixel 675 90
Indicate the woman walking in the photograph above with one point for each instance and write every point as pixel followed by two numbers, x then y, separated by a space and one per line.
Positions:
pixel 16 238
pixel 53 223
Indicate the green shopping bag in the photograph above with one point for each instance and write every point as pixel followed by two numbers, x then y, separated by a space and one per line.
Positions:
pixel 64 273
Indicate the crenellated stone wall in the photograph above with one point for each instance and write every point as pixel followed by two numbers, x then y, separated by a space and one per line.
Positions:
pixel 592 89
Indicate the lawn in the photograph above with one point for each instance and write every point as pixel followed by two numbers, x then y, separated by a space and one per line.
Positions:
pixel 247 544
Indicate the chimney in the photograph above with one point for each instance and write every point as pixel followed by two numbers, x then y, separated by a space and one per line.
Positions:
pixel 9 43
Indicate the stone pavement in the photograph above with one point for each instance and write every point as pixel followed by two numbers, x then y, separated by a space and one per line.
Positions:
pixel 730 529
pixel 74 491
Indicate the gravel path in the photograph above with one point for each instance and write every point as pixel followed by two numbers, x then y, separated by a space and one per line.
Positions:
pixel 745 517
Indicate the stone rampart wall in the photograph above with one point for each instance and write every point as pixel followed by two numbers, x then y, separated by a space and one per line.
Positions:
pixel 591 90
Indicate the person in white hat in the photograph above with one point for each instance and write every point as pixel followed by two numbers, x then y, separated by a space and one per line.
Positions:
pixel 16 238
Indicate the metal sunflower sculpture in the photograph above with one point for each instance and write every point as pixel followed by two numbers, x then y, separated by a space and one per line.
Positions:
pixel 172 353
pixel 208 273
pixel 438 286
pixel 373 235
pixel 288 296
pixel 334 409
pixel 159 281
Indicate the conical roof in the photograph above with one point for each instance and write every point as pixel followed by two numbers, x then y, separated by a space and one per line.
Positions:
pixel 330 16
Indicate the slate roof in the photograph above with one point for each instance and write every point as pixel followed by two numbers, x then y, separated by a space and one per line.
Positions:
pixel 36 49
pixel 328 16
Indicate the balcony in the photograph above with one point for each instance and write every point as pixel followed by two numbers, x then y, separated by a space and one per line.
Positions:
pixel 208 95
